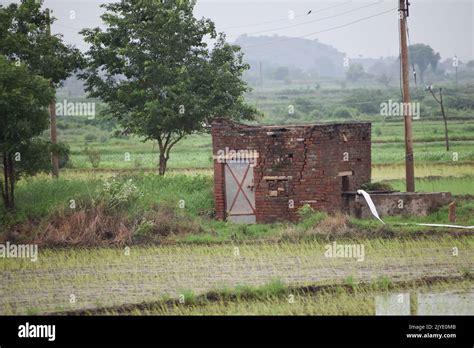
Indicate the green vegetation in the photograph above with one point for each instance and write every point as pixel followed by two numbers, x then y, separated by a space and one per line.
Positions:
pixel 338 299
pixel 172 89
pixel 114 232
pixel 145 274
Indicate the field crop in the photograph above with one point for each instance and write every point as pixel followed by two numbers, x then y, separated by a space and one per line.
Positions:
pixel 108 277
pixel 344 298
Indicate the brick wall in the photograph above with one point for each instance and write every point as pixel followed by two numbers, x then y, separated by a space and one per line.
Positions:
pixel 300 163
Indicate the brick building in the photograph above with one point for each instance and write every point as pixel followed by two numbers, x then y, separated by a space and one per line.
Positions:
pixel 265 173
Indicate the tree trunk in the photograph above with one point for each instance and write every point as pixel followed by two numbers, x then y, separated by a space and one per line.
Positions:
pixel 163 162
pixel 165 144
pixel 5 191
pixel 12 181
pixel 9 181
pixel 422 76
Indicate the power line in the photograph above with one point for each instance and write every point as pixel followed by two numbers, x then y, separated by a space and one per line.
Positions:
pixel 316 20
pixel 322 31
pixel 286 18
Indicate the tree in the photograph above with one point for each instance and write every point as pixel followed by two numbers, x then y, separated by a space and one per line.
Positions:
pixel 25 38
pixel 152 67
pixel 23 115
pixel 423 56
pixel 355 73
pixel 384 80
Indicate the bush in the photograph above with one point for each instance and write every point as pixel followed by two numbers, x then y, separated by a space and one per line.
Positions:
pixel 162 222
pixel 93 156
pixel 377 186
pixel 35 157
pixel 310 218
pixel 343 112
pixel 305 211
pixel 116 193
pixel 89 138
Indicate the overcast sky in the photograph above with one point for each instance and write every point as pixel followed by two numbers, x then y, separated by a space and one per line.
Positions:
pixel 445 25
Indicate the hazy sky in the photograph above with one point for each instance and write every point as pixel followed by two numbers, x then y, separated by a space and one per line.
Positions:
pixel 446 25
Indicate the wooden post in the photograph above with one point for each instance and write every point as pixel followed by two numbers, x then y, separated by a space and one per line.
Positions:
pixel 52 118
pixel 452 212
pixel 409 165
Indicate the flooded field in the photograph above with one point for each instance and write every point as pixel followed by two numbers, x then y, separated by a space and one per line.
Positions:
pixel 63 280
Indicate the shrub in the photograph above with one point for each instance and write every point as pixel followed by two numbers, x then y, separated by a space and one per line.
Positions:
pixel 305 211
pixel 93 156
pixel 162 222
pixel 116 193
pixel 86 227
pixel 90 137
pixel 343 112
pixel 377 186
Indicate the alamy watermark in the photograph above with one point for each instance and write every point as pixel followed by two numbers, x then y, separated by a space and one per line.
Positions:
pixel 67 108
pixel 237 156
pixel 27 251
pixel 400 109
pixel 355 251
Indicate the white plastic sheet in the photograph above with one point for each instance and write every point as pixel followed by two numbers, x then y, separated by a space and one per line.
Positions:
pixel 373 210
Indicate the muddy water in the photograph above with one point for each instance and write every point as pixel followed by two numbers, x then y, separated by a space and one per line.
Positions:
pixel 452 302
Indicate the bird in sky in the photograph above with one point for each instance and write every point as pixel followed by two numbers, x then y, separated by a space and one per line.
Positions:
pixel 309 12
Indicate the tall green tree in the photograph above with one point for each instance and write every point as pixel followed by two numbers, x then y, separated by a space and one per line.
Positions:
pixel 26 39
pixel 24 97
pixel 153 68
pixel 423 56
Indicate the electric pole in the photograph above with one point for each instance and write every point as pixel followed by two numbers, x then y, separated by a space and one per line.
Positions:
pixel 52 119
pixel 409 164
pixel 440 102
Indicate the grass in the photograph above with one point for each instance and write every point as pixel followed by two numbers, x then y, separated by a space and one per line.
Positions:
pixel 180 208
pixel 357 299
pixel 456 185
pixel 195 151
pixel 112 277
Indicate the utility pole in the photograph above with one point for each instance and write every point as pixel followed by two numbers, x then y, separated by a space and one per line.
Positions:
pixel 52 119
pixel 440 102
pixel 409 164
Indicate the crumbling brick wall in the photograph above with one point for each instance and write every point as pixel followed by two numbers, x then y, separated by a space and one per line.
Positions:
pixel 296 165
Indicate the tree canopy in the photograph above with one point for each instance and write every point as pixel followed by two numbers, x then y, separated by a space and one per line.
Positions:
pixel 33 62
pixel 24 37
pixel 423 56
pixel 23 114
pixel 153 68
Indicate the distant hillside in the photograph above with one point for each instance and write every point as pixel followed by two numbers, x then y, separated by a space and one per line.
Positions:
pixel 305 58
pixel 305 54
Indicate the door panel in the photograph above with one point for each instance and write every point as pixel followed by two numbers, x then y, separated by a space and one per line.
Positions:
pixel 240 195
